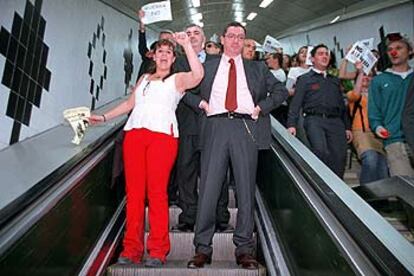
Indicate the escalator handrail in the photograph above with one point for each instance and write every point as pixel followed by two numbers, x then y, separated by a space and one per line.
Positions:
pixel 391 239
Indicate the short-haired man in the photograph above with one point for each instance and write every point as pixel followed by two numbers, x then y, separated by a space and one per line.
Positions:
pixel 249 49
pixel 187 166
pixel 237 96
pixel 387 95
pixel 326 120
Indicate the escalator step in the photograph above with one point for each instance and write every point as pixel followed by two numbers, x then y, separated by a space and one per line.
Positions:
pixel 182 247
pixel 179 268
pixel 175 211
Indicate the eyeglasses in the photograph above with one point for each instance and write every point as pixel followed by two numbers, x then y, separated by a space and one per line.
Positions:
pixel 233 36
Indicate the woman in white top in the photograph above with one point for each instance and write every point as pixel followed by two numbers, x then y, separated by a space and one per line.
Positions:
pixel 150 148
pixel 296 72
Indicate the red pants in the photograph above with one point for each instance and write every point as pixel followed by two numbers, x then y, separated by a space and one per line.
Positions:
pixel 148 158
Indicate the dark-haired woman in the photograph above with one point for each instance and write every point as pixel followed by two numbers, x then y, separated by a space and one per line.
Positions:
pixel 150 148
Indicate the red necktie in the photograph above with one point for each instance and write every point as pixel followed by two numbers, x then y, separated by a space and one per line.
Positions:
pixel 231 96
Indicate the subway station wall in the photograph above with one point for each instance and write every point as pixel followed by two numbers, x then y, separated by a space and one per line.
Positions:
pixel 58 54
pixel 339 35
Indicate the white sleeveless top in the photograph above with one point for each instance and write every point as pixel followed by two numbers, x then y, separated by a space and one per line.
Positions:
pixel 155 105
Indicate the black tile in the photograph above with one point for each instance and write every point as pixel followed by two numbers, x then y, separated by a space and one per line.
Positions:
pixel 32 43
pixel 42 26
pixel 4 41
pixel 23 86
pixel 20 109
pixel 41 76
pixel 101 82
pixel 28 13
pixel 45 53
pixel 38 5
pixel 32 91
pixel 8 74
pixel 21 56
pixel 12 50
pixel 46 82
pixel 38 50
pixel 90 68
pixel 91 86
pixel 17 25
pixel 89 50
pixel 98 31
pixel 102 22
pixel 28 63
pixel 15 132
pixel 38 95
pixel 17 78
pixel 35 71
pixel 12 105
pixel 105 71
pixel 27 114
pixel 97 92
pixel 93 104
pixel 24 35
pixel 94 41
pixel 35 21
pixel 104 57
pixel 103 40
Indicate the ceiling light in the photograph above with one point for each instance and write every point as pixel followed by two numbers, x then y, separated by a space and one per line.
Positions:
pixel 201 24
pixel 265 3
pixel 197 16
pixel 196 3
pixel 335 19
pixel 243 24
pixel 251 16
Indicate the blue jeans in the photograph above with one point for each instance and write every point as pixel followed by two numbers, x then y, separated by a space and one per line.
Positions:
pixel 374 167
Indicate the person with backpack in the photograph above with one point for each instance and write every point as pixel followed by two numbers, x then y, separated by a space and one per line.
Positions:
pixel 368 147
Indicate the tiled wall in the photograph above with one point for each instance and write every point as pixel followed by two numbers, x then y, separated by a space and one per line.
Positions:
pixel 57 54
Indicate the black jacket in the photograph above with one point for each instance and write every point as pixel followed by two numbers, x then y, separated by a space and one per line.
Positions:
pixel 408 116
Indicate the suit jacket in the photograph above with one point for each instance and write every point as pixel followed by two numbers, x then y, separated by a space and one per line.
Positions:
pixel 188 116
pixel 408 116
pixel 267 92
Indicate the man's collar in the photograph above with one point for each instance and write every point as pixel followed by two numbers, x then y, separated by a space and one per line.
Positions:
pixel 324 73
pixel 401 74
pixel 236 58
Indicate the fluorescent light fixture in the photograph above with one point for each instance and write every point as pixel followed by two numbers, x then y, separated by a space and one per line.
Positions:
pixel 197 16
pixel 265 3
pixel 201 24
pixel 251 16
pixel 243 24
pixel 335 19
pixel 196 3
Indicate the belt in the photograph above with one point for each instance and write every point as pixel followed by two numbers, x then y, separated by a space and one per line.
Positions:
pixel 321 114
pixel 232 115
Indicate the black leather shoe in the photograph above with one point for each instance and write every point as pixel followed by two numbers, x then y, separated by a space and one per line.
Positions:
pixel 124 261
pixel 183 227
pixel 247 261
pixel 224 228
pixel 199 260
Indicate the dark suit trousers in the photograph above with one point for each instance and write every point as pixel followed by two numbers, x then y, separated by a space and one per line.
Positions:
pixel 328 141
pixel 226 140
pixel 187 170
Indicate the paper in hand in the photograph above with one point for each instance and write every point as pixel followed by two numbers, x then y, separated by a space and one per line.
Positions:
pixel 77 120
pixel 157 11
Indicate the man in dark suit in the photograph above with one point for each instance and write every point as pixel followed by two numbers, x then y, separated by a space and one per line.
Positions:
pixel 187 166
pixel 237 96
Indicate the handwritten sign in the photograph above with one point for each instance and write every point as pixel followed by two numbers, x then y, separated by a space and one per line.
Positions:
pixel 77 120
pixel 271 44
pixel 360 52
pixel 158 11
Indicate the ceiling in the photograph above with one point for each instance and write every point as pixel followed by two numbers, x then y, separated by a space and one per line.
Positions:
pixel 274 20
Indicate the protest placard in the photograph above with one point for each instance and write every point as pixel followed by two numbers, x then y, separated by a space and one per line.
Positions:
pixel 271 44
pixel 157 11
pixel 360 52
pixel 77 120
pixel 368 42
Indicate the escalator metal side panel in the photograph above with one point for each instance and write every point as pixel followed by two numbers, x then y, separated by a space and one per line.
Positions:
pixel 381 242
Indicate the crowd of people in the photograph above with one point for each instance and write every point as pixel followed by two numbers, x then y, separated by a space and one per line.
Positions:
pixel 200 111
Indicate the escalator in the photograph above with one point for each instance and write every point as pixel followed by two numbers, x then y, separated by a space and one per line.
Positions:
pixel 308 222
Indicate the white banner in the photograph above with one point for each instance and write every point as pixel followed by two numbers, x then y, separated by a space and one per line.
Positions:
pixel 360 52
pixel 271 44
pixel 308 56
pixel 77 120
pixel 158 11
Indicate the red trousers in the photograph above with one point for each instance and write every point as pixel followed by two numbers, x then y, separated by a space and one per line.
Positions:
pixel 148 158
